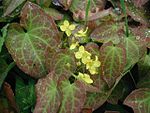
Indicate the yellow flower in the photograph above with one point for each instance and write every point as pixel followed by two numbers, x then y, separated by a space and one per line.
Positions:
pixel 86 57
pixel 82 53
pixel 85 77
pixel 73 45
pixel 67 27
pixel 92 65
pixel 82 33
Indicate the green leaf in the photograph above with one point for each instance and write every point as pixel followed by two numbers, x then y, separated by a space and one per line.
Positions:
pixel 132 51
pixel 113 60
pixel 27 43
pixel 12 6
pixel 63 63
pixel 5 68
pixel 48 96
pixel 1 43
pixel 139 100
pixel 108 31
pixel 25 95
pixel 73 97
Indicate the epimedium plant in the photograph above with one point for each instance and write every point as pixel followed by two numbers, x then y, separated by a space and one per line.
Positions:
pixel 74 55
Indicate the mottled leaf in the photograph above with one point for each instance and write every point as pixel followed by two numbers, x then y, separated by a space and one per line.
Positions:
pixel 56 15
pixel 137 14
pixel 12 6
pixel 73 97
pixel 133 51
pixel 63 62
pixel 27 43
pixel 48 96
pixel 78 7
pixel 95 100
pixel 139 100
pixel 113 60
pixel 108 31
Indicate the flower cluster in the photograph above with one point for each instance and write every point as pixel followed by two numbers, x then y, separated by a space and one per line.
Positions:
pixel 86 59
pixel 82 55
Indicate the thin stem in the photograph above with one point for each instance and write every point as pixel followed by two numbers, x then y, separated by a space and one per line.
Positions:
pixel 87 11
pixel 126 19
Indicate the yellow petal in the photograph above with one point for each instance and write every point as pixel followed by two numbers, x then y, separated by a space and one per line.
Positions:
pixel 97 63
pixel 78 55
pixel 85 77
pixel 74 45
pixel 85 60
pixel 93 71
pixel 63 28
pixel 72 27
pixel 66 23
pixel 80 75
pixel 88 80
pixel 81 49
pixel 68 32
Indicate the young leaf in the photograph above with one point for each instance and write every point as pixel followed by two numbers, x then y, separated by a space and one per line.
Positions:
pixel 73 97
pixel 139 100
pixel 25 95
pixel 113 60
pixel 27 43
pixel 48 96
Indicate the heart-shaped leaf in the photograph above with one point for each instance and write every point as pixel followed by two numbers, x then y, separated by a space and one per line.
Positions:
pixel 139 100
pixel 63 62
pixel 108 31
pixel 113 60
pixel 48 96
pixel 73 97
pixel 27 43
